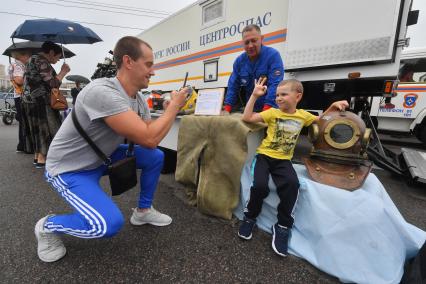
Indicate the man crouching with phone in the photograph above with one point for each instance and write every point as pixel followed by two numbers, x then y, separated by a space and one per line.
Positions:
pixel 73 169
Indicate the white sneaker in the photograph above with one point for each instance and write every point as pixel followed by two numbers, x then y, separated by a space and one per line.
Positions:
pixel 150 216
pixel 50 247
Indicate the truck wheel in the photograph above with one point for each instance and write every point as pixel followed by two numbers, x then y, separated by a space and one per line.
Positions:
pixel 421 132
pixel 8 119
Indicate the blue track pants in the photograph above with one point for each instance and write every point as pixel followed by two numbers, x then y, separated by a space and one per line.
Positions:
pixel 95 214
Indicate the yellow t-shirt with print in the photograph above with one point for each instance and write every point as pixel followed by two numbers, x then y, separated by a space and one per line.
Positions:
pixel 283 131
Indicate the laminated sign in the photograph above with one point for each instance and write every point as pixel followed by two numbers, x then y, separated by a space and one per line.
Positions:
pixel 209 101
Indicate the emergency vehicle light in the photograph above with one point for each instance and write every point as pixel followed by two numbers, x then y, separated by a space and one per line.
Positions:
pixel 389 87
pixel 354 75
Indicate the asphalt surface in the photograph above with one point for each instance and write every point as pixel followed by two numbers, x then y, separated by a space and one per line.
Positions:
pixel 194 248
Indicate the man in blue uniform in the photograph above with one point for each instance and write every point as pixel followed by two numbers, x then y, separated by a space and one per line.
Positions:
pixel 257 61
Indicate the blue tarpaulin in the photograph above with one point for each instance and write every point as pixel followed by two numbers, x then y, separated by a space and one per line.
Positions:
pixel 357 236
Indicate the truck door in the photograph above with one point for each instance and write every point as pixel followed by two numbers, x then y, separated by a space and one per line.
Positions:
pixel 407 108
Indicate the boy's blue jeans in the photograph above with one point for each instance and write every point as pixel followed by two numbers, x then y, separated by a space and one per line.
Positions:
pixel 286 181
pixel 95 214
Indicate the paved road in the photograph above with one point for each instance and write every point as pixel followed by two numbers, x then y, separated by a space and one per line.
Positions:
pixel 194 249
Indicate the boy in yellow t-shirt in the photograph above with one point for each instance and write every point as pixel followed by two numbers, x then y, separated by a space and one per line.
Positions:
pixel 273 157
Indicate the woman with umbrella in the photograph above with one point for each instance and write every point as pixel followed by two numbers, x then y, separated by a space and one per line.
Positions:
pixel 40 79
pixel 16 72
pixel 52 30
pixel 21 52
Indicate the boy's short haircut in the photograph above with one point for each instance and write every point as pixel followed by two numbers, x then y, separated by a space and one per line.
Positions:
pixel 295 85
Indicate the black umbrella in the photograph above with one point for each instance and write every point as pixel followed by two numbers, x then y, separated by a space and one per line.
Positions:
pixel 33 46
pixel 59 31
pixel 77 78
pixel 55 30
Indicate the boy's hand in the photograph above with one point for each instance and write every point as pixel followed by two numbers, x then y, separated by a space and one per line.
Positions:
pixel 340 105
pixel 259 87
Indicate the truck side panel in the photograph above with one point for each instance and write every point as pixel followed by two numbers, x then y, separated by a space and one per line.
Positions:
pixel 181 43
pixel 328 35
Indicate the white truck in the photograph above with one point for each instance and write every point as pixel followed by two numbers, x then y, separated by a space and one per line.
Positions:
pixel 339 49
pixel 405 111
pixel 322 43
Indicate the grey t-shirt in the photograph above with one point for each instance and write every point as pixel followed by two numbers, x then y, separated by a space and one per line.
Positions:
pixel 140 104
pixel 69 152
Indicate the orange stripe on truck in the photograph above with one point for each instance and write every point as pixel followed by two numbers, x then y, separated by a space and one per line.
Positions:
pixel 189 79
pixel 270 38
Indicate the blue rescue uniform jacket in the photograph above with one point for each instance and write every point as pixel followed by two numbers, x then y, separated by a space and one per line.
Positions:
pixel 269 64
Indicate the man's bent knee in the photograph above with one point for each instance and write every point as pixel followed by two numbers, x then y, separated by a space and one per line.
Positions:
pixel 113 225
pixel 158 156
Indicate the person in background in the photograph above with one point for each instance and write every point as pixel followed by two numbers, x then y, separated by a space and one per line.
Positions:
pixel 258 61
pixel 75 91
pixel 104 108
pixel 273 157
pixel 406 73
pixel 16 72
pixel 40 79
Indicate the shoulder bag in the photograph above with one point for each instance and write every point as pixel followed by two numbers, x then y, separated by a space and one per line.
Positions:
pixel 57 100
pixel 122 174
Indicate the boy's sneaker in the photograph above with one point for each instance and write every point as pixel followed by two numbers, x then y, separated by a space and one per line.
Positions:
pixel 280 237
pixel 151 216
pixel 246 228
pixel 50 247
